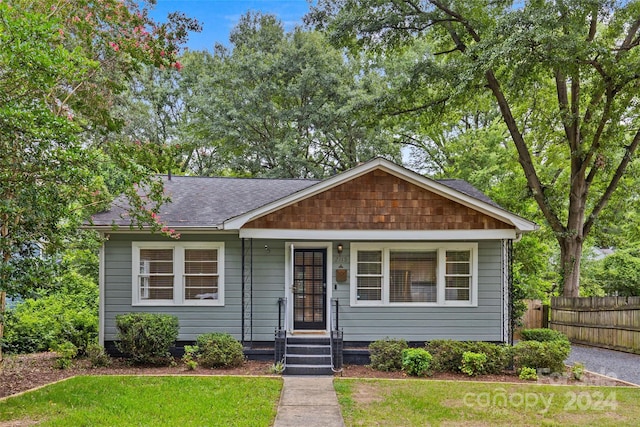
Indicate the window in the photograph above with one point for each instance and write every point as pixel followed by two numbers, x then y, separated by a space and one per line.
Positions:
pixel 414 274
pixel 169 273
pixel 156 274
pixel 369 276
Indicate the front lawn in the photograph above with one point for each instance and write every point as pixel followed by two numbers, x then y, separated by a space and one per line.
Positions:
pixel 419 403
pixel 149 401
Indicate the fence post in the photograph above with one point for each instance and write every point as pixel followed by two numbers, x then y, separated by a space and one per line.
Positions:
pixel 545 315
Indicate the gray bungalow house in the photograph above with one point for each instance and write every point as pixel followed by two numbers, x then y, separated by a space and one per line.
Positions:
pixel 377 251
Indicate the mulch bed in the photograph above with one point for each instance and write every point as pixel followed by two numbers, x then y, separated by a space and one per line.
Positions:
pixel 20 373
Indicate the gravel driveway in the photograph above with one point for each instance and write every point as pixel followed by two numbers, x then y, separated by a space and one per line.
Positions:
pixel 616 364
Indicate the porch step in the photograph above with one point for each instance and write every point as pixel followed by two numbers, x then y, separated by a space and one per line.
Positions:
pixel 308 356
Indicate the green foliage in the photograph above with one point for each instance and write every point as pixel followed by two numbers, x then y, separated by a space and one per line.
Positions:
pixel 577 370
pixel 473 363
pixel 618 273
pixel 146 337
pixel 556 75
pixel 541 355
pixel 66 351
pixel 189 356
pixel 543 335
pixel 97 356
pixel 219 350
pixel 386 354
pixel 293 105
pixel 69 315
pixel 448 355
pixel 416 361
pixel 127 400
pixel 64 65
pixel 528 374
pixel 277 368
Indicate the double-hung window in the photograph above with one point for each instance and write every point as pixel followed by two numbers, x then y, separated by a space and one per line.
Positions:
pixel 172 273
pixel 414 274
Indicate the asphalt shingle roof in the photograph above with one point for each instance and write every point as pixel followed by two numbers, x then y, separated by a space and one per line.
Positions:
pixel 205 201
pixel 209 201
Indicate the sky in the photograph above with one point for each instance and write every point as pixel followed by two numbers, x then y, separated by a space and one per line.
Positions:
pixel 218 17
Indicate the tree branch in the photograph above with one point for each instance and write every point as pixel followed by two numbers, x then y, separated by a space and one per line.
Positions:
pixel 420 108
pixel 563 105
pixel 524 157
pixel 459 18
pixel 626 159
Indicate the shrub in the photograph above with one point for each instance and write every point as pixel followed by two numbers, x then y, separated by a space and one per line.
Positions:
pixel 498 355
pixel 219 350
pixel 528 374
pixel 189 357
pixel 447 355
pixel 540 355
pixel 473 363
pixel 36 325
pixel 66 351
pixel 416 361
pixel 577 370
pixel 97 356
pixel 146 337
pixel 543 335
pixel 386 354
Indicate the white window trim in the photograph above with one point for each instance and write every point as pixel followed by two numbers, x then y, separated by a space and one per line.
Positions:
pixel 178 273
pixel 441 248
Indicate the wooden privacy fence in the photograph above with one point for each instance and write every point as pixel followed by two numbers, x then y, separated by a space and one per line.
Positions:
pixel 611 322
pixel 536 316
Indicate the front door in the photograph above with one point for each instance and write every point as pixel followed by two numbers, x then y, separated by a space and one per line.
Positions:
pixel 309 289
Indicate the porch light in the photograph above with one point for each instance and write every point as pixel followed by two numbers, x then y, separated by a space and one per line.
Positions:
pixel 340 248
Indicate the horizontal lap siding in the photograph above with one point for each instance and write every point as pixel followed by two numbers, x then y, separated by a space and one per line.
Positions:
pixel 268 287
pixel 359 323
pixel 193 320
pixel 483 322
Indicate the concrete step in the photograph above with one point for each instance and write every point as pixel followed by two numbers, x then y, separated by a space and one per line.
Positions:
pixel 308 359
pixel 292 369
pixel 308 340
pixel 308 349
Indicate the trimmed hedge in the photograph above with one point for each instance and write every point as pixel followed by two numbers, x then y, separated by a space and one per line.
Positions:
pixel 147 337
pixel 219 350
pixel 448 355
pixel 542 335
pixel 416 361
pixel 386 354
pixel 541 355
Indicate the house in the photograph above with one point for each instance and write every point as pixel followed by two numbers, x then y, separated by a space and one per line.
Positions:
pixel 377 251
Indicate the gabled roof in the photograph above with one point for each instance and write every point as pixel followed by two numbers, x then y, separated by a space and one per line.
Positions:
pixel 456 190
pixel 208 202
pixel 229 203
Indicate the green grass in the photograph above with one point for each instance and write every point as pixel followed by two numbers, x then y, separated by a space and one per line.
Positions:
pixel 149 401
pixel 420 403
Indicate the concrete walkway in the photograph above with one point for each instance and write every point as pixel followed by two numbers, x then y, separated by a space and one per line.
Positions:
pixel 309 402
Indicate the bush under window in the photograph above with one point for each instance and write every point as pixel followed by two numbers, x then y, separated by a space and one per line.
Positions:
pixel 386 354
pixel 147 337
pixel 217 350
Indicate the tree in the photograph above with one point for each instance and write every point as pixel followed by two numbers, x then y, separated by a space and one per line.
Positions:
pixel 618 273
pixel 280 104
pixel 63 65
pixel 562 74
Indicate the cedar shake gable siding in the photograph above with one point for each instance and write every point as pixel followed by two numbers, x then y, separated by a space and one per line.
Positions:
pixel 377 201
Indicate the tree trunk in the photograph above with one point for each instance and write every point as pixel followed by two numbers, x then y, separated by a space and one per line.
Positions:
pixel 570 254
